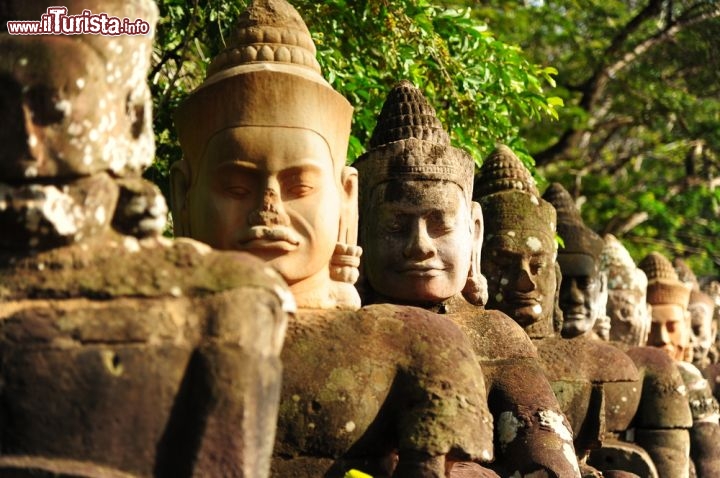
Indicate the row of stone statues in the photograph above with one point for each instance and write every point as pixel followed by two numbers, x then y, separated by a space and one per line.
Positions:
pixel 469 347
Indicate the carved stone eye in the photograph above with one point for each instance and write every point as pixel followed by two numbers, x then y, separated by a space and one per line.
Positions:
pixel 45 105
pixel 136 114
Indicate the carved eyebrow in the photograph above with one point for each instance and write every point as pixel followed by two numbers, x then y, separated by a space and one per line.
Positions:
pixel 237 165
pixel 301 170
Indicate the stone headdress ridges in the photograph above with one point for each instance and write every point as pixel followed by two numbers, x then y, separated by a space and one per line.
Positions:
pixel 664 286
pixel 503 170
pixel 267 76
pixel 685 273
pixel 510 199
pixel 268 31
pixel 409 143
pixel 697 296
pixel 577 237
pixel 621 270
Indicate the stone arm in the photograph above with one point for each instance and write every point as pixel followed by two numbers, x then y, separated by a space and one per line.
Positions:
pixel 442 415
pixel 531 433
pixel 663 418
pixel 704 448
pixel 235 373
pixel 705 431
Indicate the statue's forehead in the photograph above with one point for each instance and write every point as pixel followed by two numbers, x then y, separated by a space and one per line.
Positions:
pixel 433 194
pixel 662 313
pixel 520 241
pixel 269 148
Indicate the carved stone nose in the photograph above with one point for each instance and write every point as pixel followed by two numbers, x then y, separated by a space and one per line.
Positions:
pixel 270 212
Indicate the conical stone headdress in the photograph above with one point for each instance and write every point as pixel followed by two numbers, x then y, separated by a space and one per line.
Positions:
pixel 510 199
pixel 664 286
pixel 409 143
pixel 685 273
pixel 267 76
pixel 621 270
pixel 579 240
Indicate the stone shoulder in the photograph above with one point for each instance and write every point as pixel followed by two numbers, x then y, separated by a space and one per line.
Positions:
pixel 703 405
pixel 494 335
pixel 435 370
pixel 664 402
pixel 582 359
pixel 115 266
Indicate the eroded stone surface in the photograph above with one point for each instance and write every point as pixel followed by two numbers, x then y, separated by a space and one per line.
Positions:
pixel 121 353
pixel 422 234
pixel 383 389
pixel 599 388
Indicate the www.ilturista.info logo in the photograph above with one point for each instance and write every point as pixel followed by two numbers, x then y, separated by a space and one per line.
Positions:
pixel 57 22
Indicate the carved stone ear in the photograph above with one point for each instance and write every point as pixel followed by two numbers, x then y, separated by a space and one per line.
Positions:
pixel 345 261
pixel 558 317
pixel 476 288
pixel 179 186
pixel 348 227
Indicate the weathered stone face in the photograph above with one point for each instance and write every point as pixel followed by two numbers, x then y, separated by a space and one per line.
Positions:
pixel 627 294
pixel 276 198
pixel 520 267
pixel 75 105
pixel 668 330
pixel 581 291
pixel 668 296
pixel 702 334
pixel 519 253
pixel 629 317
pixel 264 170
pixel 418 240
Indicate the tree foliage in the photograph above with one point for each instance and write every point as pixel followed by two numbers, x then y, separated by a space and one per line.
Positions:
pixel 639 140
pixel 481 87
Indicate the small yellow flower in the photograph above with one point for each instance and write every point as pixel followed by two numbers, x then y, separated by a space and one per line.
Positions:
pixel 356 474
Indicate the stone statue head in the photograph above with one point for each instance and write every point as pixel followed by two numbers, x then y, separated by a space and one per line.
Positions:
pixel 702 326
pixel 420 230
pixel 627 304
pixel 76 114
pixel 701 309
pixel 518 257
pixel 583 284
pixel 685 273
pixel 712 288
pixel 669 299
pixel 264 140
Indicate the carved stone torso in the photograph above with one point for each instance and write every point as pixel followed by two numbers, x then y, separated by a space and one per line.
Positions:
pixel 140 356
pixel 518 392
pixel 587 376
pixel 361 386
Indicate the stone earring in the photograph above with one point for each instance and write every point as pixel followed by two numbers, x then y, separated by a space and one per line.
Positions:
pixel 344 272
pixel 345 263
pixel 476 288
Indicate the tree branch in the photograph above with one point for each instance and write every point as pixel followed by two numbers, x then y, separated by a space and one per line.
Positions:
pixel 595 86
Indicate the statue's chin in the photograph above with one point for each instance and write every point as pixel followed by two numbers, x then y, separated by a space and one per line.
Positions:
pixel 572 327
pixel 44 216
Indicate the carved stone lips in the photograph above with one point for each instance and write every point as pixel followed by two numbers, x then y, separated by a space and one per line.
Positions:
pixel 270 234
pixel 523 299
pixel 421 270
